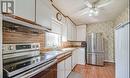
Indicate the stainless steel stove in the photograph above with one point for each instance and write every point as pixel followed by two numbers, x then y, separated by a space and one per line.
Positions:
pixel 21 60
pixel 22 49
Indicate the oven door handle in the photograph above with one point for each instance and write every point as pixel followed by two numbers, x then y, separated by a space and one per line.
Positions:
pixel 34 71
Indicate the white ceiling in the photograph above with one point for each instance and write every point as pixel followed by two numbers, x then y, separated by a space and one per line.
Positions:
pixel 72 7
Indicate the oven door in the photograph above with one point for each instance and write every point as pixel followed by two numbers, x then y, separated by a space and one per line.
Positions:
pixel 30 72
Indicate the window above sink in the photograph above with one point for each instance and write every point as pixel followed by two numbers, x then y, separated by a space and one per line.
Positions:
pixel 52 40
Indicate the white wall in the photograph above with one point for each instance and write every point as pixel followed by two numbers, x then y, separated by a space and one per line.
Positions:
pixel 123 17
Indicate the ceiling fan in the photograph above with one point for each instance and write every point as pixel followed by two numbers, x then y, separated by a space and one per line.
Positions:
pixel 93 7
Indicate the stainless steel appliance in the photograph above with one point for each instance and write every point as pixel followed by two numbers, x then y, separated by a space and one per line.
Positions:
pixel 24 60
pixel 22 49
pixel 95 49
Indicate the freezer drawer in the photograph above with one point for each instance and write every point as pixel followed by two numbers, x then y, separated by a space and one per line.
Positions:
pixel 95 58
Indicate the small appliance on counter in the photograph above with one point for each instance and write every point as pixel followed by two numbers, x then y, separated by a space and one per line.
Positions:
pixel 83 44
pixel 23 59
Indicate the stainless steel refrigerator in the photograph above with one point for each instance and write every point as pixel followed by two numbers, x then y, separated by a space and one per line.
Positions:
pixel 95 49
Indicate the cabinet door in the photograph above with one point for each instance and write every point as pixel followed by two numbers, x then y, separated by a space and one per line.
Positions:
pixel 43 13
pixel 54 13
pixel 81 56
pixel 56 27
pixel 68 66
pixel 25 9
pixel 81 33
pixel 61 69
pixel 69 30
pixel 122 52
pixel 73 33
pixel 74 58
pixel 64 31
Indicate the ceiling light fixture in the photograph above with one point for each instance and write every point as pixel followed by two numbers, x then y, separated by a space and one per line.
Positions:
pixel 93 12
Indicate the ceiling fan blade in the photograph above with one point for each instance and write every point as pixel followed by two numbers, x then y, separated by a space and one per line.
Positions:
pixel 88 4
pixel 103 5
pixel 82 12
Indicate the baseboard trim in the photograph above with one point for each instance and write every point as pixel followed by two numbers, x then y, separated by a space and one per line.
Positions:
pixel 108 61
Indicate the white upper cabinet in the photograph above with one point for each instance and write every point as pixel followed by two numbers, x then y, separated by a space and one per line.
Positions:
pixel 57 21
pixel 81 33
pixel 44 13
pixel 64 31
pixel 54 13
pixel 71 30
pixel 25 9
pixel 56 27
pixel 74 33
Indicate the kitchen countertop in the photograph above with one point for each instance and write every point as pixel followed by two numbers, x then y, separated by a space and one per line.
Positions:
pixel 43 57
pixel 62 52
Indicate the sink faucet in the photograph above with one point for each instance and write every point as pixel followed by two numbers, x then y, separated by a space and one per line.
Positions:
pixel 55 47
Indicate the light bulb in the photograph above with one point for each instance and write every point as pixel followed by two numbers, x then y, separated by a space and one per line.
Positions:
pixel 91 11
pixel 96 12
pixel 90 14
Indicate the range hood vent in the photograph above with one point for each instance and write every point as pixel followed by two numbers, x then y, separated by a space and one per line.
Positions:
pixel 24 23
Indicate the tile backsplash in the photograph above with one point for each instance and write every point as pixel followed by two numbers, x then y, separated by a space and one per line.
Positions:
pixel 20 37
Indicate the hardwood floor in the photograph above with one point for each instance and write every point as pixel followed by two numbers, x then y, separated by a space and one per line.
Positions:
pixel 89 71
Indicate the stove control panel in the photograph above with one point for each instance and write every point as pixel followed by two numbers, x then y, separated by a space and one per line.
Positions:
pixel 13 48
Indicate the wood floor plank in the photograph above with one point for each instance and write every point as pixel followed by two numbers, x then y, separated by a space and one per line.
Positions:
pixel 89 71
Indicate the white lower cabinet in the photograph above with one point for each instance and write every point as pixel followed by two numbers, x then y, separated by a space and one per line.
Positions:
pixel 74 58
pixel 61 69
pixel 68 66
pixel 64 68
pixel 78 57
pixel 81 56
